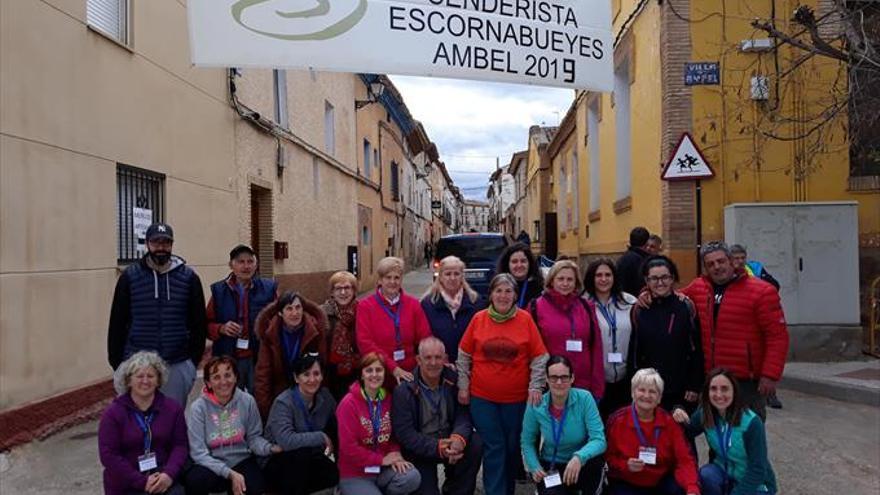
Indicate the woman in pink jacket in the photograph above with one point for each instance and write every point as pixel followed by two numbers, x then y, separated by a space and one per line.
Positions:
pixel 391 323
pixel 370 462
pixel 569 328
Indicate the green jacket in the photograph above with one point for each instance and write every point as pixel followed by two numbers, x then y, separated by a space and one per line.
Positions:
pixel 582 434
pixel 747 461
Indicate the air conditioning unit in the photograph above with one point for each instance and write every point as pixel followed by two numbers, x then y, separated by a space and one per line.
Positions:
pixel 760 88
pixel 756 45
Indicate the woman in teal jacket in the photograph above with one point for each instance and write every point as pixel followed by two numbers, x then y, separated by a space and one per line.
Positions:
pixel 735 435
pixel 570 460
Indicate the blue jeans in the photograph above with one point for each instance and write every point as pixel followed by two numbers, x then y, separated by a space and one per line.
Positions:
pixel 712 481
pixel 500 426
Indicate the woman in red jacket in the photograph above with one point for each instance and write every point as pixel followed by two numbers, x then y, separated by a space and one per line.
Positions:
pixel 647 452
pixel 569 328
pixel 391 323
pixel 370 462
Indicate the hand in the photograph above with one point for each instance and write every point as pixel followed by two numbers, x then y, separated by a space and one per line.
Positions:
pixel 401 466
pixel 328 444
pixel 535 397
pixel 645 299
pixel 238 486
pixel 635 465
pixel 464 397
pixel 680 416
pixel 402 375
pixel 538 475
pixel 391 457
pixel 453 458
pixel 152 482
pixel 456 445
pixel 231 329
pixel 691 396
pixel 443 447
pixel 276 449
pixel 766 386
pixel 572 471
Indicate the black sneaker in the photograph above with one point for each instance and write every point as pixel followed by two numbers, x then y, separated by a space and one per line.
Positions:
pixel 773 402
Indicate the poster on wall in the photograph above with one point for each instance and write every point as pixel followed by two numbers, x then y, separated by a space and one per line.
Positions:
pixel 141 220
pixel 560 43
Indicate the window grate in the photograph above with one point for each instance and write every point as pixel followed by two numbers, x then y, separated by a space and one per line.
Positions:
pixel 110 17
pixel 135 188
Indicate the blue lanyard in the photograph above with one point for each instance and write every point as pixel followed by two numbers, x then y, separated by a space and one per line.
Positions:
pixel 522 294
pixel 375 408
pixel 145 421
pixel 724 440
pixel 611 318
pixel 297 398
pixel 395 316
pixel 557 430
pixel 642 440
pixel 291 349
pixel 429 394
pixel 241 300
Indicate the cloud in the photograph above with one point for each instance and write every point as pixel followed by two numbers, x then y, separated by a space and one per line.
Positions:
pixel 473 122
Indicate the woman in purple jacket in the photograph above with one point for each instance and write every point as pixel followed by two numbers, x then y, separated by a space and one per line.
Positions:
pixel 142 440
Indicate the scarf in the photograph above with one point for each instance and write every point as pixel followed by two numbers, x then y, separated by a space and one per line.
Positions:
pixel 562 302
pixel 501 317
pixel 342 344
pixel 453 303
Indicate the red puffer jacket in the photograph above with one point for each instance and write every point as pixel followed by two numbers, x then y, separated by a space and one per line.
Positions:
pixel 750 337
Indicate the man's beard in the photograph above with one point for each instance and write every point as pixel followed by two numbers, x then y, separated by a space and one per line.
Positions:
pixel 160 257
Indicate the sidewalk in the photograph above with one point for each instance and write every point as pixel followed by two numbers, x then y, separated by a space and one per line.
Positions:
pixel 849 381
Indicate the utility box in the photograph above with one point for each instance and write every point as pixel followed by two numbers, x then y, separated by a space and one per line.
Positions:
pixel 811 249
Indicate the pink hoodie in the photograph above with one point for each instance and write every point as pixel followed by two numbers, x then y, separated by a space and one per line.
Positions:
pixel 356 450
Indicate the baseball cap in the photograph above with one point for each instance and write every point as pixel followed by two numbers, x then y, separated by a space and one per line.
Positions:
pixel 160 230
pixel 241 248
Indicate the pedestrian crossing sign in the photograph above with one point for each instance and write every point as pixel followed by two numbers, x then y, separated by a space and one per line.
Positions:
pixel 687 163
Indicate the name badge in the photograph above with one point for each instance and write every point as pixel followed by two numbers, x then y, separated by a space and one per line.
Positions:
pixel 615 357
pixel 648 455
pixel 399 355
pixel 147 462
pixel 552 479
pixel 373 469
pixel 242 343
pixel 574 346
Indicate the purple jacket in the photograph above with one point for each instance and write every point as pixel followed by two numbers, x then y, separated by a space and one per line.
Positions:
pixel 121 442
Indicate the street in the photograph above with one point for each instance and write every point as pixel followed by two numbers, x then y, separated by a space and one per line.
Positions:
pixel 818 446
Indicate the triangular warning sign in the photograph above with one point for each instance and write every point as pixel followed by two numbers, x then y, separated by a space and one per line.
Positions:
pixel 687 163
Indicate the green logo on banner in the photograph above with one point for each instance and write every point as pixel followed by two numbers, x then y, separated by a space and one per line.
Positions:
pixel 321 9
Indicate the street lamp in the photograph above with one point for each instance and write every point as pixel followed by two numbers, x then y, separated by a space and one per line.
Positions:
pixel 374 91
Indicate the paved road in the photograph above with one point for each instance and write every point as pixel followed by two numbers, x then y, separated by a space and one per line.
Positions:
pixel 818 446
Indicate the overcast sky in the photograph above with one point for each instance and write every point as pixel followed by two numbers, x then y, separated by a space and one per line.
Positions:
pixel 472 122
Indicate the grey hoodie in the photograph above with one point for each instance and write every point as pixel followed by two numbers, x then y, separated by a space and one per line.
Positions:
pixel 287 425
pixel 222 436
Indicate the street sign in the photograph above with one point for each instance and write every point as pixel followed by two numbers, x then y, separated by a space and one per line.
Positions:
pixel 563 43
pixel 697 73
pixel 687 163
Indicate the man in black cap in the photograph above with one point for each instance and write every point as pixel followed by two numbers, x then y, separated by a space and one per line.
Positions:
pixel 158 305
pixel 232 311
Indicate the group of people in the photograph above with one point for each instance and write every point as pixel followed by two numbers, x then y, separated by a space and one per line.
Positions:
pixel 562 380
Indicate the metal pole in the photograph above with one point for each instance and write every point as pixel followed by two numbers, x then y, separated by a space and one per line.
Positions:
pixel 699 225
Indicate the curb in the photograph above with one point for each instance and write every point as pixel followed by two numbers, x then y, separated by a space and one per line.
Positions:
pixel 838 391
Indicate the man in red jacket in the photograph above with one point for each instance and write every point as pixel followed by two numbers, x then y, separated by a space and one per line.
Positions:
pixel 742 324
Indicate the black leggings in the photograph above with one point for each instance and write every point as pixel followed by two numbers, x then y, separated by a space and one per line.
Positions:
pixel 301 471
pixel 200 480
pixel 588 483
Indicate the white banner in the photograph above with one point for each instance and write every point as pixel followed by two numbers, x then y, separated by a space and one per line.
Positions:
pixel 141 220
pixel 562 43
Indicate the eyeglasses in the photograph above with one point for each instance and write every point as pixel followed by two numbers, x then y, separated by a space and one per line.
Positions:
pixel 662 278
pixel 558 378
pixel 344 288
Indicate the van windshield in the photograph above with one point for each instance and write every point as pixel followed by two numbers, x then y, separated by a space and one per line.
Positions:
pixel 472 249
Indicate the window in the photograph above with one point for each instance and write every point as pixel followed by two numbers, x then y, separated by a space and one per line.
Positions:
pixel 395 182
pixel 593 150
pixel 367 171
pixel 140 201
pixel 316 178
pixel 110 17
pixel 537 234
pixel 329 128
pixel 365 235
pixel 280 86
pixel 560 194
pixel 573 184
pixel 376 161
pixel 622 129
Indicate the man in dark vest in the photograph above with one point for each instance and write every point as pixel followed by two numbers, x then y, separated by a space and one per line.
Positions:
pixel 233 308
pixel 629 266
pixel 158 305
